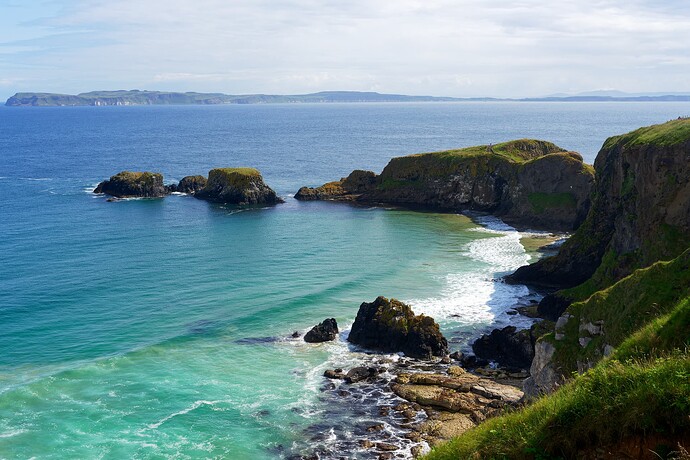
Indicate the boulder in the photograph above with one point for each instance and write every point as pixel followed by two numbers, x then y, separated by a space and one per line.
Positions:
pixel 346 189
pixel 237 186
pixel 322 332
pixel 508 347
pixel 128 184
pixel 392 326
pixel 191 184
pixel 358 374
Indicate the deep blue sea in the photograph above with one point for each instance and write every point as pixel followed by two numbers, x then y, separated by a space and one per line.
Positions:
pixel 160 328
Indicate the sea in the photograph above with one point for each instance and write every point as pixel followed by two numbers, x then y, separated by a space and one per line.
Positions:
pixel 162 328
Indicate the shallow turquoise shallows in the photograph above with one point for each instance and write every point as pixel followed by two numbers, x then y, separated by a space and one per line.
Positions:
pixel 161 328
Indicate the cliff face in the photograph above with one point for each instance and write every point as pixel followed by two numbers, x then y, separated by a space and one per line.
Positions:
pixel 529 183
pixel 640 212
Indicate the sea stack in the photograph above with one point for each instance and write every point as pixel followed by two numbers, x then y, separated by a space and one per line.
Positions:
pixel 128 184
pixel 237 186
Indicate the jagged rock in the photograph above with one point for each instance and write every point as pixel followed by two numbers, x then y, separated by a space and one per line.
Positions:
pixel 237 186
pixel 133 184
pixel 358 374
pixel 507 346
pixel 527 182
pixel 472 362
pixel 322 332
pixel 392 326
pixel 191 184
pixel 544 378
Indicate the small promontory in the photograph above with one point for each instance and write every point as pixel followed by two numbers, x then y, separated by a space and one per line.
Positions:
pixel 391 326
pixel 526 182
pixel 128 184
pixel 237 186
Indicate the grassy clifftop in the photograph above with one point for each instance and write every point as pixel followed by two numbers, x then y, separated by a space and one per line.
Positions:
pixel 637 401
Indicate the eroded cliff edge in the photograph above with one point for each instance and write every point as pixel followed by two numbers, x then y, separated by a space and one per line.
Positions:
pixel 528 183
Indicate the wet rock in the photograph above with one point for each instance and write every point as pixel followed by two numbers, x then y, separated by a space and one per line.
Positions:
pixel 359 374
pixel 457 356
pixel 322 332
pixel 386 446
pixel 472 362
pixel 334 374
pixel 392 326
pixel 375 428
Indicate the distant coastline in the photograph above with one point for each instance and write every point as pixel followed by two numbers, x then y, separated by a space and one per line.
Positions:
pixel 137 97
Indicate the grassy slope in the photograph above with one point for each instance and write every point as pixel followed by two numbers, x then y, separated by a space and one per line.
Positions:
pixel 643 389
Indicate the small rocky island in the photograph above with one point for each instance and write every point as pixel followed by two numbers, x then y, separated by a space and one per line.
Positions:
pixel 526 182
pixel 241 186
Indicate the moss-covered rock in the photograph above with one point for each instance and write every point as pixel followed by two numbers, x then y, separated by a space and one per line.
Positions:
pixel 189 185
pixel 640 214
pixel 237 186
pixel 133 184
pixel 392 326
pixel 527 182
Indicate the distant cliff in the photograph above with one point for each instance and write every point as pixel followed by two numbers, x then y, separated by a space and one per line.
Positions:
pixel 136 97
pixel 526 182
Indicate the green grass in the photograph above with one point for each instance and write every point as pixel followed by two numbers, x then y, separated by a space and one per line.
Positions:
pixel 613 402
pixel 543 202
pixel 641 392
pixel 625 307
pixel 670 133
pixel 250 172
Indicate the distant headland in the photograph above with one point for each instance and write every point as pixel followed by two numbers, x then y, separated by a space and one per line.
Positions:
pixel 137 97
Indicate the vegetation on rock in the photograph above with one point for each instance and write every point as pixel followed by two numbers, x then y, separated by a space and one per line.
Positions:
pixel 133 184
pixel 392 326
pixel 237 186
pixel 527 182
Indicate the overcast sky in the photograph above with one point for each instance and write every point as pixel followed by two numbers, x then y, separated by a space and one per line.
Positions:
pixel 511 48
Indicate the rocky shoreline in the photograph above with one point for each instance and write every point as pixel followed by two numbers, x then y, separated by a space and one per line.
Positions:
pixel 409 402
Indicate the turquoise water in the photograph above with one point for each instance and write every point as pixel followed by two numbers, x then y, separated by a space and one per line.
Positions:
pixel 159 328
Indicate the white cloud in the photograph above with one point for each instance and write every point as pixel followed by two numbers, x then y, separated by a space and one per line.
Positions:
pixel 443 47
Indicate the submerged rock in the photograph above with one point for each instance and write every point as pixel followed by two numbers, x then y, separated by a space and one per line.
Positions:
pixel 392 326
pixel 237 186
pixel 128 184
pixel 322 332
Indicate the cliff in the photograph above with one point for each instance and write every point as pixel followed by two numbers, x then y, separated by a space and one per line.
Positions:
pixel 526 182
pixel 639 214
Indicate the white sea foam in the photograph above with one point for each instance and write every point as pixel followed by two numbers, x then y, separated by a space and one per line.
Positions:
pixel 194 406
pixel 12 433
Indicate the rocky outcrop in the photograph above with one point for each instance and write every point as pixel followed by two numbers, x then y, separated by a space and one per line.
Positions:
pixel 128 184
pixel 348 188
pixel 508 346
pixel 237 186
pixel 472 398
pixel 529 183
pixel 189 185
pixel 322 332
pixel 544 377
pixel 640 213
pixel 392 326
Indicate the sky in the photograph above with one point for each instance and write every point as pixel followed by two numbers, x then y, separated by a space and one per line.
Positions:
pixel 462 48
